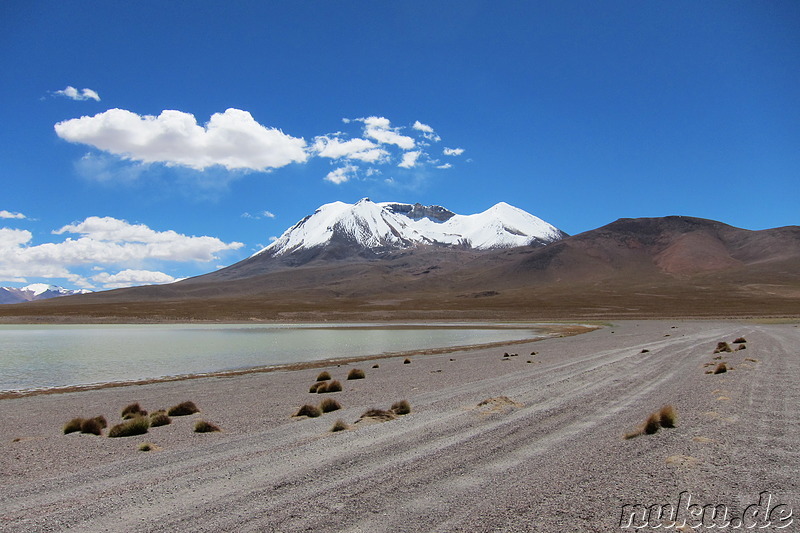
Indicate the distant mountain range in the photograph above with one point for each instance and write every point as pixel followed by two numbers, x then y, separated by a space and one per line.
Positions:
pixel 369 261
pixel 35 291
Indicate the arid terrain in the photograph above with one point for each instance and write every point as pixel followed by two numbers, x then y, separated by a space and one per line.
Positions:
pixel 545 453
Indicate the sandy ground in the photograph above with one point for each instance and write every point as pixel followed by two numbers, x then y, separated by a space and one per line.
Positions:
pixel 551 458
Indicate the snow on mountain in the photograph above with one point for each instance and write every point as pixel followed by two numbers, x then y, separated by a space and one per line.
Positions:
pixel 35 291
pixel 390 225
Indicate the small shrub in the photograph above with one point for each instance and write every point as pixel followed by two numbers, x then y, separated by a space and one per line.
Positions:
pixel 401 408
pixel 135 426
pixel 321 387
pixel 534 353
pixel 160 418
pixel 201 426
pixel 146 447
pixel 505 354
pixel 652 424
pixel 740 340
pixel 73 425
pixel 407 362
pixel 329 404
pixel 723 347
pixel 333 386
pixel 741 347
pixel 314 386
pixel 102 421
pixel 183 409
pixel 667 416
pixel 721 368
pixel 311 411
pixel 323 376
pixel 376 366
pixel 339 425
pixel 133 410
pixel 645 350
pixel 356 373
pixel 91 426
pixel 379 414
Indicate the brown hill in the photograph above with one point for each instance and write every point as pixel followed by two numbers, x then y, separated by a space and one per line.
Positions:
pixel 648 267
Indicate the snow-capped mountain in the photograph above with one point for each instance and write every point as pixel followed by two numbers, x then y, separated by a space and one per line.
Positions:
pixel 384 226
pixel 35 291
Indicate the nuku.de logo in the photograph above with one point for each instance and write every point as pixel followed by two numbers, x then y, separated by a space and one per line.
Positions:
pixel 766 513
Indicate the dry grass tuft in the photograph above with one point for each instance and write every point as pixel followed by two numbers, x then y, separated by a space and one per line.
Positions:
pixel 407 362
pixel 379 414
pixel 311 411
pixel 741 347
pixel 323 376
pixel 723 347
pixel 667 416
pixel 201 426
pixel 740 340
pixel 133 410
pixel 92 426
pixel 329 404
pixel 356 373
pixel 146 447
pixel 376 366
pixel 183 409
pixel 321 386
pixel 159 418
pixel 339 425
pixel 721 368
pixel 135 426
pixel 401 408
pixel 73 425
pixel 333 386
pixel 652 424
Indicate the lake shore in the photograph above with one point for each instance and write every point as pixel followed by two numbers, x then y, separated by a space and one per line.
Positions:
pixel 546 453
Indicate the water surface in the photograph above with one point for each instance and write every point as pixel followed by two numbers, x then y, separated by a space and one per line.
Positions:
pixel 44 356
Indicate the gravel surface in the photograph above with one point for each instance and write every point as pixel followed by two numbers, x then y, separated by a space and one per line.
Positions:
pixel 547 453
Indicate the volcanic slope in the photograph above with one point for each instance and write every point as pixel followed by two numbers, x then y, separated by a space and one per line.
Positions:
pixel 648 267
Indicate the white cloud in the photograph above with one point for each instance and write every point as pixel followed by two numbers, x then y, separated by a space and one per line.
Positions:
pixel 232 139
pixel 380 129
pixel 9 214
pixel 131 277
pixel 410 159
pixel 259 216
pixel 341 174
pixel 361 149
pixel 100 241
pixel 74 94
pixel 445 166
pixel 453 151
pixel 427 131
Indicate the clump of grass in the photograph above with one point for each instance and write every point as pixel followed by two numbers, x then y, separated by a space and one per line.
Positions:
pixel 183 409
pixel 721 368
pixel 73 425
pixel 741 347
pixel 356 373
pixel 311 411
pixel 723 347
pixel 339 425
pixel 379 414
pixel 323 376
pixel 534 353
pixel 645 350
pixel 407 361
pixel 316 385
pixel 506 354
pixel 740 340
pixel 135 426
pixel 92 426
pixel 201 426
pixel 329 404
pixel 133 410
pixel 401 408
pixel 667 417
pixel 750 359
pixel 322 386
pixel 333 386
pixel 102 421
pixel 146 447
pixel 652 424
pixel 160 418
pixel 376 366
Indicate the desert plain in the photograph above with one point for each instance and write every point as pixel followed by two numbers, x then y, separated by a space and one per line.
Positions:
pixel 492 443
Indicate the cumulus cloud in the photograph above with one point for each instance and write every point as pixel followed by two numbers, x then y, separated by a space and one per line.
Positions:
pixel 410 159
pixel 427 131
pixel 453 151
pixel 259 216
pixel 361 149
pixel 380 129
pixel 74 94
pixel 131 277
pixel 100 241
pixel 9 214
pixel 232 139
pixel 341 174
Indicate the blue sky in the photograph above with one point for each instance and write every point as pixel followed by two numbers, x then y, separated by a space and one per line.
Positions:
pixel 150 141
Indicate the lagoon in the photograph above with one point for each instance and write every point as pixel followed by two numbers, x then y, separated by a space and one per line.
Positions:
pixel 46 356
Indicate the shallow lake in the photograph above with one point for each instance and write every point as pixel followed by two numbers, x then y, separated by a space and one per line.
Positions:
pixel 44 356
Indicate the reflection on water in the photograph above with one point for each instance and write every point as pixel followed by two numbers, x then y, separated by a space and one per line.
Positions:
pixel 34 356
